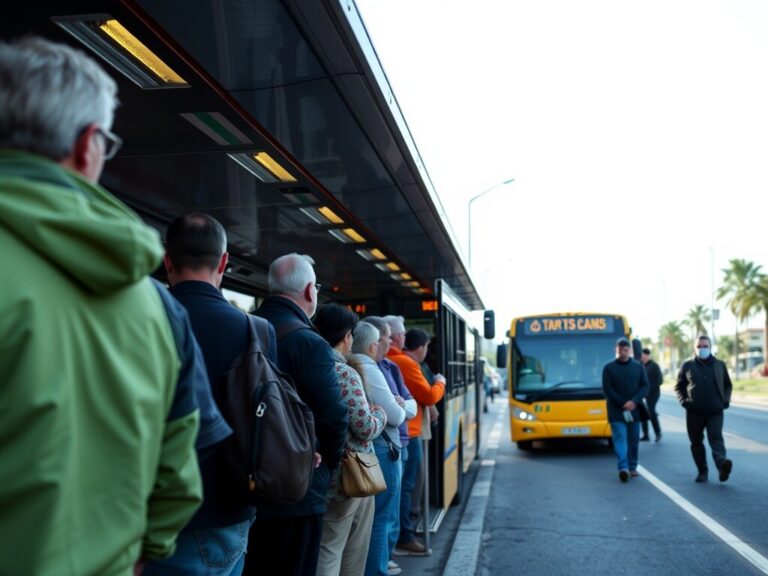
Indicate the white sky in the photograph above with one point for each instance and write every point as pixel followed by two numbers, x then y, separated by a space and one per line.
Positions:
pixel 636 131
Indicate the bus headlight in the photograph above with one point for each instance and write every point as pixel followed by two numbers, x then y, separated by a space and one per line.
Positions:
pixel 524 415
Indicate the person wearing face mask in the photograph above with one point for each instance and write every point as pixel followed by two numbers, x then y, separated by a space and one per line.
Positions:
pixel 704 389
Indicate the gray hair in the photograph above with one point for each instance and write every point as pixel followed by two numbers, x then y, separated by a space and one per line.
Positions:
pixel 49 93
pixel 377 321
pixel 290 274
pixel 363 336
pixel 396 323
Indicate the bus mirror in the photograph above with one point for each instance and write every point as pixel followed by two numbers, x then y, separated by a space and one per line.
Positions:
pixel 501 356
pixel 489 325
pixel 637 349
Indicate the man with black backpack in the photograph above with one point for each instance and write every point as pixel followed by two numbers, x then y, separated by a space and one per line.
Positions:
pixel 215 540
pixel 287 537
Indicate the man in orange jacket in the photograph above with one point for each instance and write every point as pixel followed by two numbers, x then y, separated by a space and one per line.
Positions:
pixel 408 350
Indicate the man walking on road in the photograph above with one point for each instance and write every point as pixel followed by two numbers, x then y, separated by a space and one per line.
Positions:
pixel 704 389
pixel 655 379
pixel 625 385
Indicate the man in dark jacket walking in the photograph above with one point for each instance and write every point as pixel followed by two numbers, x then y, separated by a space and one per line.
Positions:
pixel 625 385
pixel 655 379
pixel 287 538
pixel 704 389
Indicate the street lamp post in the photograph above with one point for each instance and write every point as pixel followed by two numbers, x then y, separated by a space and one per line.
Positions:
pixel 469 215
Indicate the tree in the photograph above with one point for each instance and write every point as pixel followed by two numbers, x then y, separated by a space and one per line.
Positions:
pixel 697 318
pixel 746 288
pixel 671 336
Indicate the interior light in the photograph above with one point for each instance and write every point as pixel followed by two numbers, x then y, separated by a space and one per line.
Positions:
pixel 353 235
pixel 378 254
pixel 273 166
pixel 330 215
pixel 394 267
pixel 382 267
pixel 111 41
pixel 412 284
pixel 365 254
pixel 406 276
pixel 247 161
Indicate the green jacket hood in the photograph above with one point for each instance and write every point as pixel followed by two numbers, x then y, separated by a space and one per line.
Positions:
pixel 76 225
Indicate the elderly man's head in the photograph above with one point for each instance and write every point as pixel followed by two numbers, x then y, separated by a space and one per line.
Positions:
pixel 293 277
pixel 397 329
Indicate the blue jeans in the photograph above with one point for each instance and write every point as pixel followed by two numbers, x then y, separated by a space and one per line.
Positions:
pixel 626 440
pixel 410 475
pixel 206 552
pixel 386 514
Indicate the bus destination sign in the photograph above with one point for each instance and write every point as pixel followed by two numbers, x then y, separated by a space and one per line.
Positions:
pixel 568 325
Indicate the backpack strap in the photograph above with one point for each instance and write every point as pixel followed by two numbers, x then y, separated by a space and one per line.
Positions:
pixel 259 331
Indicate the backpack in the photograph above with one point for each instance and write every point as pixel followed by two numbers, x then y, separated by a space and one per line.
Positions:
pixel 271 453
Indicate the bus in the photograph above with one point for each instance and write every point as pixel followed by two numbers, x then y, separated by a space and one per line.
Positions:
pixel 457 439
pixel 555 374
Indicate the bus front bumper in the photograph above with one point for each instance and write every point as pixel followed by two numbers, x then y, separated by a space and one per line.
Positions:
pixel 540 430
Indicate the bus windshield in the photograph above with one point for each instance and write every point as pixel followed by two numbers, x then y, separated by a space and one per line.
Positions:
pixel 562 364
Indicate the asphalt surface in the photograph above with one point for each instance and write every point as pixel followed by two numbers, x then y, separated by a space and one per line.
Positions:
pixel 560 508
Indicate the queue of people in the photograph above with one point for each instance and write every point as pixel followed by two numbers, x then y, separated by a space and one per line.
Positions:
pixel 111 438
pixel 703 388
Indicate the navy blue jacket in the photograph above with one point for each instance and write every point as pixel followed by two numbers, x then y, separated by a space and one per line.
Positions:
pixel 222 332
pixel 623 381
pixel 308 359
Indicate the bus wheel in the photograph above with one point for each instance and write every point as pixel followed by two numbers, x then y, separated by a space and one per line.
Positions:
pixel 525 444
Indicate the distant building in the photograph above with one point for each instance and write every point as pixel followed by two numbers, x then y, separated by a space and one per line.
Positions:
pixel 751 353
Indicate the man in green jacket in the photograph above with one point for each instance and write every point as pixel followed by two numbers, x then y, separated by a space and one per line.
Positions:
pixel 96 438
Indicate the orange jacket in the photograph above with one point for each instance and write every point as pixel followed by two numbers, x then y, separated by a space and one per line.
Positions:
pixel 424 393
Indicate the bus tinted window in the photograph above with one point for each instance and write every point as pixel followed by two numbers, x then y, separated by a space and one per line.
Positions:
pixel 572 364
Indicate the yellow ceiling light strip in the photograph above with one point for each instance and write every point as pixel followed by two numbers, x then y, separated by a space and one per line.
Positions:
pixel 406 276
pixel 378 254
pixel 270 164
pixel 119 34
pixel 394 267
pixel 330 215
pixel 353 235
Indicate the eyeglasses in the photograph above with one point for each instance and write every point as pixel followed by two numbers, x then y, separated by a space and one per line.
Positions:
pixel 318 286
pixel 112 143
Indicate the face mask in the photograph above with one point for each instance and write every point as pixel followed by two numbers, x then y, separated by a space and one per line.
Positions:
pixel 702 353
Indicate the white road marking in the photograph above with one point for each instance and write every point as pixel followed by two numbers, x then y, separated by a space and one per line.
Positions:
pixel 749 553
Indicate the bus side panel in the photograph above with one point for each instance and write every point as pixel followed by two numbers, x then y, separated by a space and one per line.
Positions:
pixel 469 437
pixel 453 423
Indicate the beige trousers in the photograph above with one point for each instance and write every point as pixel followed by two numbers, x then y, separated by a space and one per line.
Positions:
pixel 346 537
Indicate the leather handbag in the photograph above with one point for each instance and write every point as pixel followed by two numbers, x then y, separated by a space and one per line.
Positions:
pixel 361 475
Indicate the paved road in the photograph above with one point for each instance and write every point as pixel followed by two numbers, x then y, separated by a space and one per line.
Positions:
pixel 561 510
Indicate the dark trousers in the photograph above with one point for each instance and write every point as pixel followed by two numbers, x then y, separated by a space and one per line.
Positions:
pixel 713 423
pixel 288 546
pixel 651 401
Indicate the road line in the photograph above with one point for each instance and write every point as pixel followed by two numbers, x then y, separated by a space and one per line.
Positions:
pixel 749 553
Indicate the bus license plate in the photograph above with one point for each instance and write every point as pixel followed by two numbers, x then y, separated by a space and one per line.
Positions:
pixel 575 431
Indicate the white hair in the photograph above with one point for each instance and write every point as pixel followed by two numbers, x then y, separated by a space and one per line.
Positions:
pixel 363 336
pixel 396 323
pixel 49 93
pixel 290 274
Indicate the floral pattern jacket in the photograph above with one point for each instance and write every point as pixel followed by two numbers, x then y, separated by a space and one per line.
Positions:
pixel 365 423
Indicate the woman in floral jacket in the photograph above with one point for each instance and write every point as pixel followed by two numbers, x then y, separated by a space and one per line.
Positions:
pixel 347 522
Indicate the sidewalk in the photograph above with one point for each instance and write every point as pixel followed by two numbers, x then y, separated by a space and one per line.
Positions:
pixel 741 400
pixel 442 543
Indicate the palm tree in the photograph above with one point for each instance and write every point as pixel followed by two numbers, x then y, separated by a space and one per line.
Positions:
pixel 746 288
pixel 697 318
pixel 671 336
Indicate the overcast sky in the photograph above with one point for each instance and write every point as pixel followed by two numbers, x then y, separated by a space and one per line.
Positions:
pixel 636 131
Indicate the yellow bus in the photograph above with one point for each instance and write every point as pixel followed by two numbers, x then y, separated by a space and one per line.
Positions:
pixel 555 366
